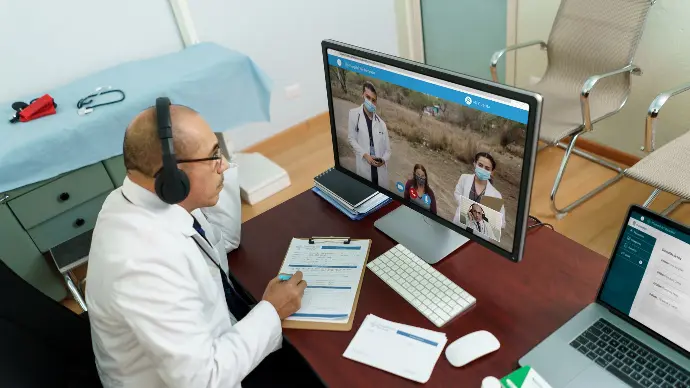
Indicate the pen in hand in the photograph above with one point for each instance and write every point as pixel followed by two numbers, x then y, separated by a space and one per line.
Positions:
pixel 284 276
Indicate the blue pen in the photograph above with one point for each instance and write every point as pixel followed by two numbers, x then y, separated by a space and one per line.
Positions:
pixel 284 277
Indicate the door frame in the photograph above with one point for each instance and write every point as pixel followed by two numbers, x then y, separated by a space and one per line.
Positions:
pixel 184 22
pixel 411 33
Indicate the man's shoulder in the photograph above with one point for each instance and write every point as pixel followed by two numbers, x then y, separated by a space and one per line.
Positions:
pixel 123 228
pixel 354 111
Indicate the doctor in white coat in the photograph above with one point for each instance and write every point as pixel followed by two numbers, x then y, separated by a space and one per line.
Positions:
pixel 155 294
pixel 477 185
pixel 478 223
pixel 368 136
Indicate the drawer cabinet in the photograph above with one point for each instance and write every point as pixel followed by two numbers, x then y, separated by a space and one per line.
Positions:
pixel 60 195
pixel 23 257
pixel 116 169
pixel 67 225
pixel 39 216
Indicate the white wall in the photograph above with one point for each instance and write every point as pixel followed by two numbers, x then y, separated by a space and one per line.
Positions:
pixel 663 54
pixel 47 43
pixel 71 38
pixel 284 38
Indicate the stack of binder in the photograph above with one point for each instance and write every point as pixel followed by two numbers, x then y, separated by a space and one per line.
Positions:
pixel 354 199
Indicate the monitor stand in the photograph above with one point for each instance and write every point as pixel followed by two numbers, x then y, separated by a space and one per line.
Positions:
pixel 423 236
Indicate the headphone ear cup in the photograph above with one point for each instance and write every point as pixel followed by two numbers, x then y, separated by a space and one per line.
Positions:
pixel 184 184
pixel 175 190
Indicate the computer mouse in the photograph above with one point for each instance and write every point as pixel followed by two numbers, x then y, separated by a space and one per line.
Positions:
pixel 471 347
pixel 491 382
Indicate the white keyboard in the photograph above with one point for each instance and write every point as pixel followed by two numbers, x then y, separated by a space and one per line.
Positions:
pixel 436 297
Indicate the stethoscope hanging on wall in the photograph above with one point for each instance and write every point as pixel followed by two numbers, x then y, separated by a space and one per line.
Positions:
pixel 84 107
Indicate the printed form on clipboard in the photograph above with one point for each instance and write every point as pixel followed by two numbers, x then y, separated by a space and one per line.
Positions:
pixel 332 268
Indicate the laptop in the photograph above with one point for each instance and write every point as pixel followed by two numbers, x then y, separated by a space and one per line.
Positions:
pixel 637 332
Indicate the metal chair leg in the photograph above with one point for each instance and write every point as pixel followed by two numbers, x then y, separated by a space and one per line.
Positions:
pixel 670 208
pixel 673 206
pixel 75 291
pixel 570 149
pixel 651 198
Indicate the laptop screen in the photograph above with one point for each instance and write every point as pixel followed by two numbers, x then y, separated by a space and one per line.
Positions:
pixel 648 279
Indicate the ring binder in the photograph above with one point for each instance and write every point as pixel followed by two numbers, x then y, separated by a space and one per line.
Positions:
pixel 330 239
pixel 351 192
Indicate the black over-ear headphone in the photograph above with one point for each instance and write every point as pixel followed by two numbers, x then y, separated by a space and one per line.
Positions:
pixel 172 184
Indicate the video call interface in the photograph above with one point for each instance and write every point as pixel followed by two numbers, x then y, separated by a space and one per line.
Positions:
pixel 447 149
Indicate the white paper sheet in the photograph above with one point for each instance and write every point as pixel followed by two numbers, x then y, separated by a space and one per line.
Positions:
pixel 407 351
pixel 332 271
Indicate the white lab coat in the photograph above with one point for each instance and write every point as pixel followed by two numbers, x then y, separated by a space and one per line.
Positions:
pixel 483 229
pixel 156 302
pixel 462 189
pixel 359 141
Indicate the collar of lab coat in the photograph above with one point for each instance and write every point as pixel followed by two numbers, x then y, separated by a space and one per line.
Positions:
pixel 172 215
pixel 375 117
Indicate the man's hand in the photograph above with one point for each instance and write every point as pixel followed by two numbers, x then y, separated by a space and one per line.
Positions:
pixel 286 296
pixel 373 161
pixel 370 160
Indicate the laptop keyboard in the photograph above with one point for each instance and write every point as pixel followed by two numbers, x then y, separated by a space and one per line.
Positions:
pixel 628 359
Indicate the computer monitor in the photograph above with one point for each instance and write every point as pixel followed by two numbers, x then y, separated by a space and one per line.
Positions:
pixel 457 151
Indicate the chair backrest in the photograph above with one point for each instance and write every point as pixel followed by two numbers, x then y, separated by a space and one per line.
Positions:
pixel 591 37
pixel 42 343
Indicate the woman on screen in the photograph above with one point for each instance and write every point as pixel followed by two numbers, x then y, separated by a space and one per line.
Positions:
pixel 478 222
pixel 476 186
pixel 418 191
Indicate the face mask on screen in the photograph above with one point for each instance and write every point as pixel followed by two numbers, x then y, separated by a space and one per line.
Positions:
pixel 482 174
pixel 369 106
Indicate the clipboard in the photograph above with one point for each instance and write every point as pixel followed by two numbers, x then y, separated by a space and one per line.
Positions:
pixel 493 203
pixel 329 326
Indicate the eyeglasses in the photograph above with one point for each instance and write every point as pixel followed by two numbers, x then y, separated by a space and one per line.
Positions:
pixel 217 157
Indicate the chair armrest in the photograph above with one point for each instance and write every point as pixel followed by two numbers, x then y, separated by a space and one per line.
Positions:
pixel 589 85
pixel 653 113
pixel 498 54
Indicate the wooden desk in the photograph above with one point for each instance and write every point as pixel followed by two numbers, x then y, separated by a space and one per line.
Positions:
pixel 521 304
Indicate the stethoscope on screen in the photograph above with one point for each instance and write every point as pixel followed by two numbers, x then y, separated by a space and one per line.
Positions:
pixel 84 107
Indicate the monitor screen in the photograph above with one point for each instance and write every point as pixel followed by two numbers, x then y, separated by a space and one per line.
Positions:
pixel 442 148
pixel 647 278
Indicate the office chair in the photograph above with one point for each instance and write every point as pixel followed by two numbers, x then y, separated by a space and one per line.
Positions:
pixel 592 43
pixel 665 169
pixel 43 344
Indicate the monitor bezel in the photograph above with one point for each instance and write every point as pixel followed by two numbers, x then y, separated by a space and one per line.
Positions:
pixel 534 101
pixel 625 317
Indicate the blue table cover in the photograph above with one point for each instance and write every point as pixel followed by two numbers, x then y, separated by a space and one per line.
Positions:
pixel 224 86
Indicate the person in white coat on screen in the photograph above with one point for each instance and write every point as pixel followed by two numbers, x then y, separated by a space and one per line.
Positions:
pixel 476 186
pixel 368 136
pixel 162 312
pixel 478 222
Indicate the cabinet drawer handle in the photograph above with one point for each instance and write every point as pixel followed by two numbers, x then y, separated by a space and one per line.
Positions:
pixel 63 197
pixel 3 198
pixel 79 222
